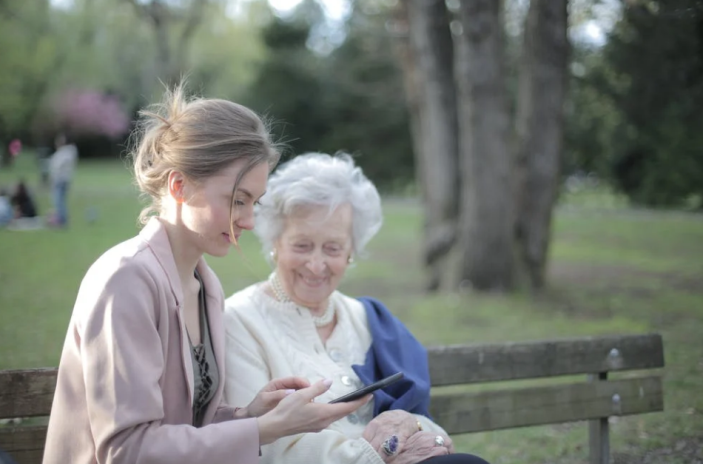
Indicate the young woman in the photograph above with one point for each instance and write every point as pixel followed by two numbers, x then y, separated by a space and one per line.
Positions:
pixel 142 370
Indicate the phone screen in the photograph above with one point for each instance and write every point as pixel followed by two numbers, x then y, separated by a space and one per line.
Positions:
pixel 368 389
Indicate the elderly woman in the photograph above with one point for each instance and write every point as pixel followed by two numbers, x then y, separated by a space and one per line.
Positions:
pixel 319 213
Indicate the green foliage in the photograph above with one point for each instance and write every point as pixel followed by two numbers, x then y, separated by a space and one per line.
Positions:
pixel 225 51
pixel 104 45
pixel 370 108
pixel 350 99
pixel 287 84
pixel 637 117
pixel 591 118
pixel 29 58
pixel 106 49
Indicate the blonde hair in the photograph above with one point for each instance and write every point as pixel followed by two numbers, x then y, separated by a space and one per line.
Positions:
pixel 197 137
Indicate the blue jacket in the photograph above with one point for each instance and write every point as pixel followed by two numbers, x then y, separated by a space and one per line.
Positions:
pixel 394 349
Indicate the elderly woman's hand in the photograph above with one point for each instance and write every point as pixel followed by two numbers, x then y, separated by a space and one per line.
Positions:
pixel 420 446
pixel 396 422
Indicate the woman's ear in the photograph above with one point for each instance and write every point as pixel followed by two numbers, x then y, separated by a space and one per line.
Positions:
pixel 177 186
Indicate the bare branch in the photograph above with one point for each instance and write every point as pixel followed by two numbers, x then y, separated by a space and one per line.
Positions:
pixel 155 11
pixel 193 20
pixel 8 13
pixel 139 8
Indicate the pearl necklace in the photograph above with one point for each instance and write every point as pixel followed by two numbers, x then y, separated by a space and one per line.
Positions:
pixel 281 296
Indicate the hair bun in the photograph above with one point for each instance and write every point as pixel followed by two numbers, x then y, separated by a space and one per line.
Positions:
pixel 196 137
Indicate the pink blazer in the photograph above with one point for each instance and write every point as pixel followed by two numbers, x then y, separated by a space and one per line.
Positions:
pixel 125 384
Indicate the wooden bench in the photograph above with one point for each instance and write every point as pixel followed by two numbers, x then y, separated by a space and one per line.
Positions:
pixel 27 393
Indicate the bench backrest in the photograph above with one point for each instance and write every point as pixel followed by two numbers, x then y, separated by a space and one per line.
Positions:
pixel 29 393
pixel 502 408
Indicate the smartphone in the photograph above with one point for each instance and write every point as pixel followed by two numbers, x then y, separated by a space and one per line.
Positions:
pixel 355 395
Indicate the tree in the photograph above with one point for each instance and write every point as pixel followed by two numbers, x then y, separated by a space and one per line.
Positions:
pixel 542 84
pixel 430 85
pixel 507 192
pixel 289 86
pixel 487 213
pixel 346 99
pixel 29 58
pixel 168 20
pixel 652 75
pixel 95 47
pixel 366 102
pixel 226 52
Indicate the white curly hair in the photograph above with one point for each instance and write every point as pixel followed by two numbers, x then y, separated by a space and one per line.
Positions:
pixel 318 179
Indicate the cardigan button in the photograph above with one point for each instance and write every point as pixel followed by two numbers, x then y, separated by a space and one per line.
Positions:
pixel 353 418
pixel 336 355
pixel 346 380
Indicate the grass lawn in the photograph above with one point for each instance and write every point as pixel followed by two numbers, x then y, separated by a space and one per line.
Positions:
pixel 612 270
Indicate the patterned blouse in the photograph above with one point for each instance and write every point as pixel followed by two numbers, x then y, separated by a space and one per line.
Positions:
pixel 205 370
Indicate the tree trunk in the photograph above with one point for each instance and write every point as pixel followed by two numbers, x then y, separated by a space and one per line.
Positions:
pixel 435 129
pixel 171 54
pixel 407 60
pixel 164 59
pixel 486 217
pixel 539 132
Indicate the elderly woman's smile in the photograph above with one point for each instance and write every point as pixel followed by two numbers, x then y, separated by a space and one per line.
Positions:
pixel 313 253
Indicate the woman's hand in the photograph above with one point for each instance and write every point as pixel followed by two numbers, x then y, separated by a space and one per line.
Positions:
pixel 418 447
pixel 395 422
pixel 272 394
pixel 297 413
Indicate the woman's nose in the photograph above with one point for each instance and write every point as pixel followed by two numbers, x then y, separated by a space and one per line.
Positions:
pixel 316 264
pixel 245 220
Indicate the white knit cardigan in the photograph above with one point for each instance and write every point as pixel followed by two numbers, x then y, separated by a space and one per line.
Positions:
pixel 267 339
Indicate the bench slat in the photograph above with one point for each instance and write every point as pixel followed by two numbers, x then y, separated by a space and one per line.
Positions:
pixel 460 364
pixel 493 410
pixel 24 444
pixel 29 392
pixel 26 393
pixel 470 412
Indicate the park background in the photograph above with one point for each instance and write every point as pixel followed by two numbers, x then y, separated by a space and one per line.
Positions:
pixel 624 234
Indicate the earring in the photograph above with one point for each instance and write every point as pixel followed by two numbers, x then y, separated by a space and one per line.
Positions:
pixel 273 255
pixel 350 260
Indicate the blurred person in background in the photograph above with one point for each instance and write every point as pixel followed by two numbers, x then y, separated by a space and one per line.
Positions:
pixel 6 212
pixel 62 166
pixel 22 202
pixel 43 155
pixel 14 148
